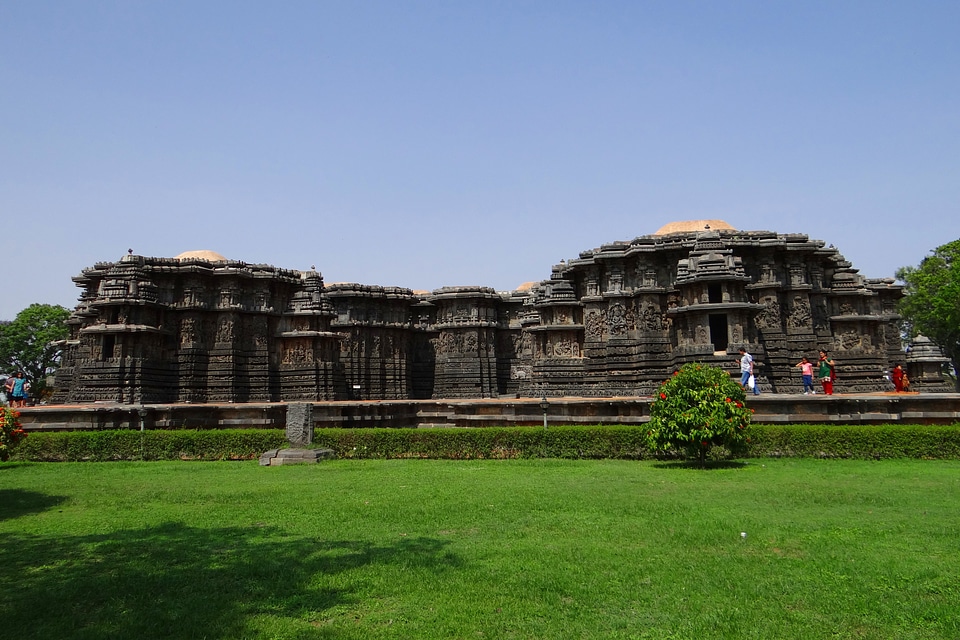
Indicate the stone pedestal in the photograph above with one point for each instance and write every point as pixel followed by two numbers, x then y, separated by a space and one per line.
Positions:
pixel 299 423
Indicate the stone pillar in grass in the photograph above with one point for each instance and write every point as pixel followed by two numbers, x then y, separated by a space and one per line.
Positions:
pixel 299 423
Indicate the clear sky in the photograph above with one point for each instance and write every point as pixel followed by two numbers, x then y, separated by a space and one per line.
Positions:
pixel 424 144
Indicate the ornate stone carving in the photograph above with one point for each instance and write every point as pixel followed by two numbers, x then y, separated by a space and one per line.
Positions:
pixel 702 336
pixel 769 316
pixel 169 321
pixel 596 324
pixel 617 319
pixel 800 313
pixel 651 319
pixel 188 331
pixel 225 330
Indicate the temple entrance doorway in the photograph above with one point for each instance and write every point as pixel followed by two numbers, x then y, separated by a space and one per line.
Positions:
pixel 718 332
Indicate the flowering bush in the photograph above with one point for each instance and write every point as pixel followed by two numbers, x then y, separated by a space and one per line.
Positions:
pixel 698 408
pixel 10 432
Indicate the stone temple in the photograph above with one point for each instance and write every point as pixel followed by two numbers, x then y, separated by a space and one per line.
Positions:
pixel 615 321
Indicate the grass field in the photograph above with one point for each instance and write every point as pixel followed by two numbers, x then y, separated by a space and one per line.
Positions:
pixel 480 549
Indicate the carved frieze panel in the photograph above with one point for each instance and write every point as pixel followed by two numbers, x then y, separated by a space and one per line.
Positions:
pixel 595 324
pixel 800 313
pixel 189 333
pixel 563 346
pixel 617 320
pixel 298 352
pixel 651 318
pixel 225 330
pixel 769 316
pixel 848 340
pixel 470 342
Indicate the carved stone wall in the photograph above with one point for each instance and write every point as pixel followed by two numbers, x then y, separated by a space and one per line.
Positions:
pixel 615 321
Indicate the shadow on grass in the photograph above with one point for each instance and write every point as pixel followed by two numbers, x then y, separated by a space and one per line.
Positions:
pixel 19 502
pixel 175 581
pixel 695 465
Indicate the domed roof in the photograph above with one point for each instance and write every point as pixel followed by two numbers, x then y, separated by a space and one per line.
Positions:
pixel 203 254
pixel 690 226
pixel 527 286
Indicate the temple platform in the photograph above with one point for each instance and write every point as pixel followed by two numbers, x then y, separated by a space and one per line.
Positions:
pixel 905 408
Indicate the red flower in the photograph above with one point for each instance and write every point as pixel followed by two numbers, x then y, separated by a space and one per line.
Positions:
pixel 704 443
pixel 663 396
pixel 727 400
pixel 739 405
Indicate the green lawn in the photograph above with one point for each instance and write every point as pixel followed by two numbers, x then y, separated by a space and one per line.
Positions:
pixel 480 549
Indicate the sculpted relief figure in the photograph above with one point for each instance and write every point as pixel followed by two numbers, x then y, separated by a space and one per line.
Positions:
pixel 769 316
pixel 702 337
pixel 617 320
pixel 445 343
pixel 595 324
pixel 848 340
pixel 651 318
pixel 800 315
pixel 188 331
pixel 470 343
pixel 562 349
pixel 527 344
pixel 736 334
pixel 225 330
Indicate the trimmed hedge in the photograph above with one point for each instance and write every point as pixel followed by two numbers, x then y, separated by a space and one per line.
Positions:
pixel 573 442
pixel 123 444
pixel 856 441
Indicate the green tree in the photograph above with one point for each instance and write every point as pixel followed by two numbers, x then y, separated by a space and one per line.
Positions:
pixel 931 302
pixel 30 343
pixel 698 408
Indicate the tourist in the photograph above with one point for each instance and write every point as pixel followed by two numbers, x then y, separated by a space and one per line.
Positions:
pixel 897 376
pixel 8 389
pixel 826 373
pixel 747 379
pixel 806 370
pixel 18 391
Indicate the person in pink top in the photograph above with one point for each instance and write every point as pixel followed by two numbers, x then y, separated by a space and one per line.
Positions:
pixel 806 370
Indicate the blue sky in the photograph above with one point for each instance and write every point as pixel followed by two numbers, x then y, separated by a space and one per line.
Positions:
pixel 424 144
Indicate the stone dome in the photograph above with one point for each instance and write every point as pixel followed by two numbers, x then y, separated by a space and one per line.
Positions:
pixel 203 254
pixel 690 226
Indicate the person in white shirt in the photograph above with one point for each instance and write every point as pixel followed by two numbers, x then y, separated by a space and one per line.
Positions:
pixel 746 372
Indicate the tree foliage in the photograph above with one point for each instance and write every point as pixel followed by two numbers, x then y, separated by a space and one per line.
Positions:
pixel 698 408
pixel 931 302
pixel 29 343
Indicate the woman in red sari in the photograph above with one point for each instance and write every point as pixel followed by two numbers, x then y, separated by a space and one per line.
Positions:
pixel 896 377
